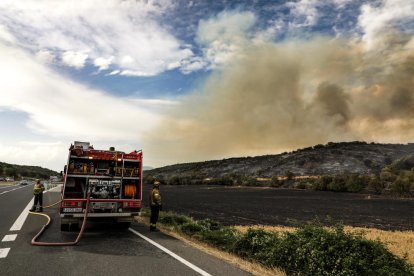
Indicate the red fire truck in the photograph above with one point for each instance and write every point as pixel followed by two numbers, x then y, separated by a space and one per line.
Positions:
pixel 111 179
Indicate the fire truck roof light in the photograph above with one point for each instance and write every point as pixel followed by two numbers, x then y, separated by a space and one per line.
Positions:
pixel 90 157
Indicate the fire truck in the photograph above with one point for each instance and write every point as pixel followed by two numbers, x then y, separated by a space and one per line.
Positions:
pixel 106 182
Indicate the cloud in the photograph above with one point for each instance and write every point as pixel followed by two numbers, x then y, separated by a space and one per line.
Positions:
pixel 292 94
pixel 59 111
pixel 48 155
pixel 103 63
pixel 303 13
pixel 222 36
pixel 97 33
pixel 74 59
pixel 387 16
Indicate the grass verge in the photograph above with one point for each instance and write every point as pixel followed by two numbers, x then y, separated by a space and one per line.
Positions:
pixel 309 249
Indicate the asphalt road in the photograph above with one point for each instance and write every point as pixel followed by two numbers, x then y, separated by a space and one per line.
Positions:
pixel 103 250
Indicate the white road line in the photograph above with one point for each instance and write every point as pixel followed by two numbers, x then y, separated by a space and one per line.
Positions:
pixel 4 187
pixel 18 224
pixel 172 254
pixel 4 252
pixel 11 237
pixel 5 192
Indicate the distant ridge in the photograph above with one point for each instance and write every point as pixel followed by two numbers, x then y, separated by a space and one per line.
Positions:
pixel 12 170
pixel 330 159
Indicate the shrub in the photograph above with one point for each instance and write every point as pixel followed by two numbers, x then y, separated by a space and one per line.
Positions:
pixel 257 245
pixel 224 238
pixel 401 186
pixel 314 250
pixel 376 184
pixel 355 183
pixel 311 250
pixel 275 182
pixel 322 183
pixel 300 185
pixel 191 228
pixel 173 219
pixel 337 185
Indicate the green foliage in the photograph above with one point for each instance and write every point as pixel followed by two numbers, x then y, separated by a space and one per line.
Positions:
pixel 376 184
pixel 399 176
pixel 257 245
pixel 322 183
pixel 173 219
pixel 275 182
pixel 311 250
pixel 338 184
pixel 315 250
pixel 401 186
pixel 25 171
pixel 355 183
pixel 352 183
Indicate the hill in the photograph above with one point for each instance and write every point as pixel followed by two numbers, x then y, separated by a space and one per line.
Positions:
pixel 330 159
pixel 16 171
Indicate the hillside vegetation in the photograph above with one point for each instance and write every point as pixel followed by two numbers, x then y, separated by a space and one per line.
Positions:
pixel 21 171
pixel 340 167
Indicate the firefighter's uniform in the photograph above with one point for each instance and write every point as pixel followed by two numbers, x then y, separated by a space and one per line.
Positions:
pixel 38 196
pixel 155 203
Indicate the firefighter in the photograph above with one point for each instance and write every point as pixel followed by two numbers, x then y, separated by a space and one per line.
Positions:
pixel 38 196
pixel 155 202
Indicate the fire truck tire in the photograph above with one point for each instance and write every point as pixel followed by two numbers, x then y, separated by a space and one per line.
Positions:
pixel 124 225
pixel 64 227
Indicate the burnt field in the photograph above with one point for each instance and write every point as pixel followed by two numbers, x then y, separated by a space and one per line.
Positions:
pixel 268 206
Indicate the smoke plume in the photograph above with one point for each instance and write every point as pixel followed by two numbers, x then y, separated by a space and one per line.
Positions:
pixel 283 96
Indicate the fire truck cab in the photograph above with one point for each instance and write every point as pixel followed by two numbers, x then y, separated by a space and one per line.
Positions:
pixel 113 179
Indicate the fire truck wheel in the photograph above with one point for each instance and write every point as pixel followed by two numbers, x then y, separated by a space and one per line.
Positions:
pixel 123 225
pixel 64 227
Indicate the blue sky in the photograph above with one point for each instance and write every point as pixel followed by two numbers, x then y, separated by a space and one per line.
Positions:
pixel 161 76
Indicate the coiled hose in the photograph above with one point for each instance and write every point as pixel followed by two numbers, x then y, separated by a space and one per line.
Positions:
pixel 34 242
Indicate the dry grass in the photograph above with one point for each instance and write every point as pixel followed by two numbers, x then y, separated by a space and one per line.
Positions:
pixel 254 268
pixel 400 243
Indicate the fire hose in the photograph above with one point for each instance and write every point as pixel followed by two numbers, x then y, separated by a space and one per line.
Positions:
pixel 37 243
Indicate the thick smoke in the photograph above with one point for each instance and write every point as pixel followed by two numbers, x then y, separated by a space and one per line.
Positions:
pixel 295 94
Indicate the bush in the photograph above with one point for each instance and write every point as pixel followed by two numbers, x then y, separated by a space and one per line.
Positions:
pixel 172 219
pixel 401 186
pixel 314 250
pixel 257 245
pixel 337 185
pixel 376 184
pixel 191 228
pixel 355 183
pixel 224 238
pixel 322 183
pixel 311 250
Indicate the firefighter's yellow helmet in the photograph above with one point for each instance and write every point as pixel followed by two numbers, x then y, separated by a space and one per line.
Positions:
pixel 157 183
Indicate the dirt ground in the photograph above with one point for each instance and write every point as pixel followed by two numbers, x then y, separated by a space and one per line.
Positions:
pixel 270 206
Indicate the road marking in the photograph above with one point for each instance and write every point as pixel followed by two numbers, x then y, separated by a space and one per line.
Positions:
pixel 4 187
pixel 11 237
pixel 4 252
pixel 18 224
pixel 5 192
pixel 172 254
